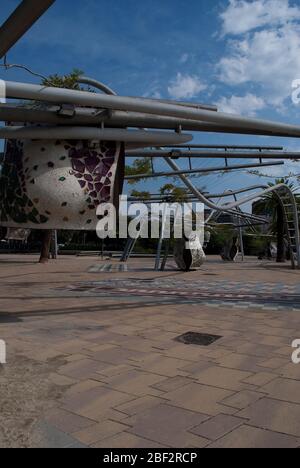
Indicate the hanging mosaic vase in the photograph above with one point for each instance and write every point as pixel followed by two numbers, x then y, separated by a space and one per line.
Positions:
pixel 59 184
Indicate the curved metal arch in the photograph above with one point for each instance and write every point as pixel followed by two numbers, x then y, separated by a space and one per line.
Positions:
pixel 282 191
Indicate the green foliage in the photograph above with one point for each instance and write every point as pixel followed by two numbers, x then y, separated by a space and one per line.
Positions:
pixel 173 193
pixel 140 166
pixel 143 196
pixel 69 81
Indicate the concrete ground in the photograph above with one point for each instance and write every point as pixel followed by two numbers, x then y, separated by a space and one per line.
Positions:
pixel 93 360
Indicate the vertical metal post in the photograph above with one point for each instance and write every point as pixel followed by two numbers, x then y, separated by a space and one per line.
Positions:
pixel 161 239
pixel 54 245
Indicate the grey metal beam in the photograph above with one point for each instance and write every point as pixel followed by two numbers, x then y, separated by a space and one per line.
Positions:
pixel 142 137
pixel 226 147
pixel 92 116
pixel 213 154
pixel 203 171
pixel 20 21
pixel 67 96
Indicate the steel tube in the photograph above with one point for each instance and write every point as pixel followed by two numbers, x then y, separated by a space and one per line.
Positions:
pixel 226 147
pixel 91 116
pixel 91 133
pixel 67 96
pixel 213 206
pixel 213 154
pixel 203 171
pixel 96 84
pixel 20 21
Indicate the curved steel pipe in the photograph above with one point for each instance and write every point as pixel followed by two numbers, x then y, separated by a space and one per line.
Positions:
pixel 96 84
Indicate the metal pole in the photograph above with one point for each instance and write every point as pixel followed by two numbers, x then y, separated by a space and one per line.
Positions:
pixel 115 118
pixel 21 20
pixel 92 133
pixel 67 96
pixel 213 154
pixel 203 171
pixel 241 147
pixel 161 238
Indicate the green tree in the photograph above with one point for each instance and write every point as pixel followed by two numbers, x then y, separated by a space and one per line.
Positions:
pixel 139 167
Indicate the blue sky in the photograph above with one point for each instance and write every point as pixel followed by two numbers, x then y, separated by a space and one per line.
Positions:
pixel 240 55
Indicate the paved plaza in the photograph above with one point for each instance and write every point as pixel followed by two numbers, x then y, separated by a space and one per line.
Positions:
pixel 94 360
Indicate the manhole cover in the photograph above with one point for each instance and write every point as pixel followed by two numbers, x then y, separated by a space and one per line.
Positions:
pixel 200 339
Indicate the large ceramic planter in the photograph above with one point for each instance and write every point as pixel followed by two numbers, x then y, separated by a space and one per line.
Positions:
pixel 59 184
pixel 189 254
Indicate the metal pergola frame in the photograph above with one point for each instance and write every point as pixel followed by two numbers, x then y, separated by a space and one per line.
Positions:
pixel 20 21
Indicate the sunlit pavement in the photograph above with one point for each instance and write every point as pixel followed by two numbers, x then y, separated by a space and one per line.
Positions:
pixel 93 360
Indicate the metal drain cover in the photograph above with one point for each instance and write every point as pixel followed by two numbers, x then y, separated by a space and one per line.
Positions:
pixel 200 339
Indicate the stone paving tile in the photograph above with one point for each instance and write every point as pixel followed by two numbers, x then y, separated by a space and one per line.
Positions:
pixel 172 383
pixel 283 389
pixel 140 405
pixel 80 370
pixel 97 404
pixel 242 362
pixel 253 437
pixel 243 399
pixel 290 371
pixel 221 377
pixel 260 379
pixel 161 365
pixel 68 422
pixel 167 425
pixel 275 415
pixel 126 440
pixel 109 353
pixel 274 363
pixel 135 382
pixel 217 427
pixel 99 432
pixel 83 386
pixel 199 398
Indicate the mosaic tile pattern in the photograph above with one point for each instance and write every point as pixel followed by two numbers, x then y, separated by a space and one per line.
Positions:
pixel 273 296
pixel 59 184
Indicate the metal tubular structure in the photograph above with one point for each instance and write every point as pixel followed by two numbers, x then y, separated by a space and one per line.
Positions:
pixel 21 20
pixel 83 98
pixel 227 193
pixel 115 118
pixel 203 171
pixel 90 133
pixel 226 147
pixel 96 84
pixel 213 154
pixel 207 202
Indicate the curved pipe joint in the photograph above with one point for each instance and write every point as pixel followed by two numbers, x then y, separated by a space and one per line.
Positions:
pixel 96 84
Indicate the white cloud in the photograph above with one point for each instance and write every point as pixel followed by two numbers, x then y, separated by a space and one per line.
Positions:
pixel 248 104
pixel 242 16
pixel 186 87
pixel 268 57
